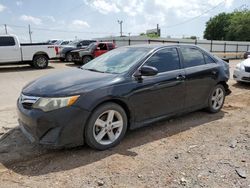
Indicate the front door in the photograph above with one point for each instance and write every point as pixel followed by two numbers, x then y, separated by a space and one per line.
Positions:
pixel 162 94
pixel 101 49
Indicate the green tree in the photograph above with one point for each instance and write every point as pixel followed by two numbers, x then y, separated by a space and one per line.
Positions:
pixel 216 27
pixel 239 28
pixel 229 26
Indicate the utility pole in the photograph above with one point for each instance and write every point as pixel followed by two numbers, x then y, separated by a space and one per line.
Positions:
pixel 120 22
pixel 6 31
pixel 30 32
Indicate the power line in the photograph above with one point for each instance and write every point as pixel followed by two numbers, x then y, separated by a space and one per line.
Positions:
pixel 62 31
pixel 191 19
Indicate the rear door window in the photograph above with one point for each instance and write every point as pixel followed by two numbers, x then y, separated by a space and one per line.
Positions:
pixel 192 57
pixel 7 41
pixel 165 60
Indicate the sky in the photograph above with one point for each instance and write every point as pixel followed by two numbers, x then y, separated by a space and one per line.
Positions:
pixel 86 19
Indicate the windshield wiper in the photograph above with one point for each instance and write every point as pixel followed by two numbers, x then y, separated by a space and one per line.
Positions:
pixel 94 70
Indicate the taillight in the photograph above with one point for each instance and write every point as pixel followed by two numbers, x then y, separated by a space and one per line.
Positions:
pixel 57 50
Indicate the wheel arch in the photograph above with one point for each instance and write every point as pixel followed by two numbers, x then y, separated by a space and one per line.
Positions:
pixel 40 53
pixel 120 103
pixel 226 87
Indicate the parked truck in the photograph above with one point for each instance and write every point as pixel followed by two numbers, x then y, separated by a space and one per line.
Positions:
pixel 35 54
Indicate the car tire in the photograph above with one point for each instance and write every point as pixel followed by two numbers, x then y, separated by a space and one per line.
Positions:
pixel 86 59
pixel 106 126
pixel 62 59
pixel 40 61
pixel 68 57
pixel 216 99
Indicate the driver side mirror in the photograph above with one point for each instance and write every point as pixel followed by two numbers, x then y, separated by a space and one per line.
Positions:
pixel 146 71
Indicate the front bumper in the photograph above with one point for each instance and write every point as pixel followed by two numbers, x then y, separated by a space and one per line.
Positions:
pixel 241 76
pixel 76 57
pixel 58 128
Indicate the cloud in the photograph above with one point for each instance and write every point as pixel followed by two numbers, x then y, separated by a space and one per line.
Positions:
pixel 50 18
pixel 19 3
pixel 80 24
pixel 180 8
pixel 2 8
pixel 31 19
pixel 103 6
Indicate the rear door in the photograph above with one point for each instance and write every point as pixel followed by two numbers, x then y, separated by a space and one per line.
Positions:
pixel 9 50
pixel 201 75
pixel 164 93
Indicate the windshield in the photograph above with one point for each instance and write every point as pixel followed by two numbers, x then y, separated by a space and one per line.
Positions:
pixel 74 43
pixel 91 46
pixel 117 61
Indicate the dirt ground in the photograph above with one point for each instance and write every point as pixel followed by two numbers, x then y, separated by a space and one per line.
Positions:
pixel 195 150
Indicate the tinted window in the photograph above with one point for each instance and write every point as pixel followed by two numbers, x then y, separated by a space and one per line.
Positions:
pixel 192 57
pixel 165 60
pixel 208 59
pixel 102 46
pixel 7 41
pixel 110 46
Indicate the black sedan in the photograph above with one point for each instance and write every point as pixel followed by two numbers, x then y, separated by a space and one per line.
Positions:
pixel 126 88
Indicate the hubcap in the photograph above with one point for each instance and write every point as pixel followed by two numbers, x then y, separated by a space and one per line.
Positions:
pixel 217 98
pixel 41 62
pixel 108 127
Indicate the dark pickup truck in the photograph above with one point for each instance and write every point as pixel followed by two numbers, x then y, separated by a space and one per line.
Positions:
pixel 94 50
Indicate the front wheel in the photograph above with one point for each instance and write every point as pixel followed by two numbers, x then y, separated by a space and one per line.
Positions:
pixel 106 127
pixel 86 59
pixel 40 61
pixel 216 99
pixel 69 57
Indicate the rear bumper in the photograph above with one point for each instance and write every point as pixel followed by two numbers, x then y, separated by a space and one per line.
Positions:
pixel 56 129
pixel 241 76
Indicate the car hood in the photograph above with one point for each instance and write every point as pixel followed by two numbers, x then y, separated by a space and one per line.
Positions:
pixel 80 50
pixel 66 83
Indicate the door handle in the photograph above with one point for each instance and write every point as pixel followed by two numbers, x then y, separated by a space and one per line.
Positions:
pixel 181 77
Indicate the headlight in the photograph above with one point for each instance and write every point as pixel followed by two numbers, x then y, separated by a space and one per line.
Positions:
pixel 240 67
pixel 48 104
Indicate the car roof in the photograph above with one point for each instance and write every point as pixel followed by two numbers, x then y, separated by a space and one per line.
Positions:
pixel 156 46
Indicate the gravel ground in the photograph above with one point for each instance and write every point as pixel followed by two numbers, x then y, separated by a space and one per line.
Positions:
pixel 195 150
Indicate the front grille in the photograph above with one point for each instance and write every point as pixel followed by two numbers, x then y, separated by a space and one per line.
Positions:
pixel 75 56
pixel 247 69
pixel 27 101
pixel 246 78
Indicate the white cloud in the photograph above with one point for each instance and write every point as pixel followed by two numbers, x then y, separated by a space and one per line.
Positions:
pixel 19 3
pixel 31 19
pixel 181 8
pixel 103 6
pixel 80 24
pixel 50 18
pixel 2 8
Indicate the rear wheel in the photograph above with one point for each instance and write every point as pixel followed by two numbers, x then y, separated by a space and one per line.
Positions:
pixel 106 127
pixel 86 59
pixel 216 99
pixel 40 61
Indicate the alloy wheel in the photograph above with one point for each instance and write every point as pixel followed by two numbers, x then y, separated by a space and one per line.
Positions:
pixel 217 98
pixel 108 127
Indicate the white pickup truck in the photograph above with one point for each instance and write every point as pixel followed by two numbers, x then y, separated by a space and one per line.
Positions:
pixel 35 54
